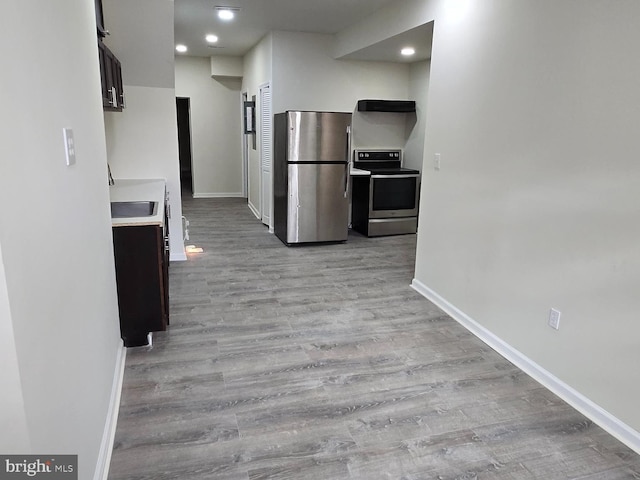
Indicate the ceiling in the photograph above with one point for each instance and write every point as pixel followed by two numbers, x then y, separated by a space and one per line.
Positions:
pixel 193 19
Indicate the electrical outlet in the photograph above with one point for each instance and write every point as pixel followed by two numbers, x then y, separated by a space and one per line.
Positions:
pixel 554 318
pixel 436 161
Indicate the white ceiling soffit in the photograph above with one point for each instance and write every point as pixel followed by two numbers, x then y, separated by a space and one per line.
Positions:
pixel 193 19
pixel 388 50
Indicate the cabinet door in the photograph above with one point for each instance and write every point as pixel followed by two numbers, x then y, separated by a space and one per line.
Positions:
pixel 102 32
pixel 104 75
pixel 139 252
pixel 165 267
pixel 111 78
pixel 117 83
pixel 111 84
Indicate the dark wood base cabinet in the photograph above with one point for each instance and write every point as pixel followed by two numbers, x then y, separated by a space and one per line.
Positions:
pixel 141 258
pixel 360 204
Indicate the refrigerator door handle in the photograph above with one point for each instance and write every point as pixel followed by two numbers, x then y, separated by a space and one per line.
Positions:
pixel 348 163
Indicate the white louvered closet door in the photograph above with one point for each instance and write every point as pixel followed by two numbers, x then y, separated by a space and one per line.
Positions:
pixel 266 154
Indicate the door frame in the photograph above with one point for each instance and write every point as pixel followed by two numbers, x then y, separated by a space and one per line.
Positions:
pixel 188 104
pixel 245 151
pixel 266 175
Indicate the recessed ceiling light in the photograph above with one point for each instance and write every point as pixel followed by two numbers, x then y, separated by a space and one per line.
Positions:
pixel 181 48
pixel 408 51
pixel 211 38
pixel 226 13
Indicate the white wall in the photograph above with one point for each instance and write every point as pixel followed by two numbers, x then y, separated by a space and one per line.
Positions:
pixel 257 71
pixel 216 132
pixel 307 77
pixel 55 232
pixel 225 66
pixel 416 124
pixel 391 21
pixel 142 39
pixel 533 106
pixel 380 130
pixel 142 140
pixel 384 130
pixel 13 417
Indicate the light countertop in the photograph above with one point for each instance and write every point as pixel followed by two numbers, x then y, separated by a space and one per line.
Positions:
pixel 357 172
pixel 134 190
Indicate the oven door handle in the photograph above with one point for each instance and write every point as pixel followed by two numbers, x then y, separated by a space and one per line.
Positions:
pixel 407 175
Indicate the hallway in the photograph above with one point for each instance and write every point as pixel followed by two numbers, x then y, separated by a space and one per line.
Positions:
pixel 321 362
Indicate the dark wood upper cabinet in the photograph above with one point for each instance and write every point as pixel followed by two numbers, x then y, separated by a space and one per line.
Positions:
pixel 102 31
pixel 110 68
pixel 111 79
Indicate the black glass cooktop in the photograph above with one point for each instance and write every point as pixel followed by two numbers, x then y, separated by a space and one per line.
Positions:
pixel 390 171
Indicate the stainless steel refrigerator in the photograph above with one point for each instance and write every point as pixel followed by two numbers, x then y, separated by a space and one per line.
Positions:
pixel 311 176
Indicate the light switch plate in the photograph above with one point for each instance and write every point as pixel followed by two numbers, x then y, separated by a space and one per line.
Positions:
pixel 69 146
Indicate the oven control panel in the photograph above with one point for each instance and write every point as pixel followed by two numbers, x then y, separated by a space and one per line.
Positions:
pixel 378 155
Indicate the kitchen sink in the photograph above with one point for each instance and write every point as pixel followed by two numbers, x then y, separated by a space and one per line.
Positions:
pixel 133 209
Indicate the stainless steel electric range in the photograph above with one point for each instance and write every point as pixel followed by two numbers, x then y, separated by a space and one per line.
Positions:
pixel 386 201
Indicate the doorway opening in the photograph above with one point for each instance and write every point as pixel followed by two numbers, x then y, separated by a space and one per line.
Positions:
pixel 183 110
pixel 245 153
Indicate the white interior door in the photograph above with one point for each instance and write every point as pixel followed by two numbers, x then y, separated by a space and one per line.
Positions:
pixel 266 155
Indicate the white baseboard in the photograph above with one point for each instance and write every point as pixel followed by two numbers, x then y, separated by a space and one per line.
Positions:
pixel 254 210
pixel 588 408
pixel 108 435
pixel 219 195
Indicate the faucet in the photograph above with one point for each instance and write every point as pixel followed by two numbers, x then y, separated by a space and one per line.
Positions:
pixel 111 181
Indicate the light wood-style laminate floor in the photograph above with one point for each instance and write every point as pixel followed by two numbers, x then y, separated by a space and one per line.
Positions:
pixel 321 363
